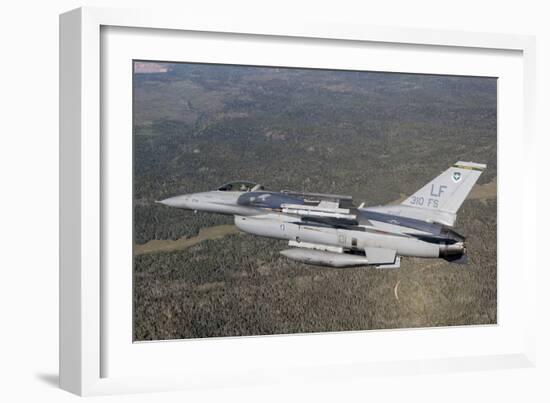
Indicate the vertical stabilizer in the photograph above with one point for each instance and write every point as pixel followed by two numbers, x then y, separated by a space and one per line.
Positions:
pixel 447 192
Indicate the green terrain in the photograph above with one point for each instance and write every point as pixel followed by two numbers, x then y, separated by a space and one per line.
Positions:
pixel 375 136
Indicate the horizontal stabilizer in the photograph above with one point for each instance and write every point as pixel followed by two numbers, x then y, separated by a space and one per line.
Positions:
pixel 445 238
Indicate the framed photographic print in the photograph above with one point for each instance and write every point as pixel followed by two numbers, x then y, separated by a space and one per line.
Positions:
pixel 250 202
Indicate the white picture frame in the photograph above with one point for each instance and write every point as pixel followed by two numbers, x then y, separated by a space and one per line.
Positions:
pixel 83 307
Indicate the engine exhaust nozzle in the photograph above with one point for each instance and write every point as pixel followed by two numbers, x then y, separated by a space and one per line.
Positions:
pixel 454 249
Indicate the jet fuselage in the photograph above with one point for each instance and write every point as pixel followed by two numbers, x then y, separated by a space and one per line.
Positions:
pixel 329 230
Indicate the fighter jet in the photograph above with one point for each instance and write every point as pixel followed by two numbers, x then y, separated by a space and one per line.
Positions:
pixel 329 230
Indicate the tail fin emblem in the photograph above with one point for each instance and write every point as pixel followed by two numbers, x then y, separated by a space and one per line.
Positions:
pixel 457 176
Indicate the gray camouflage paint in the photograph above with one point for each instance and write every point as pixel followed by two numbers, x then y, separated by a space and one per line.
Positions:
pixel 379 235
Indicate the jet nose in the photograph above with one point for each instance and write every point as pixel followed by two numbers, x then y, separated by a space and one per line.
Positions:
pixel 176 201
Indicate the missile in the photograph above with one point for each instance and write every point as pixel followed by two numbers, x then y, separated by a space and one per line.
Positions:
pixel 324 258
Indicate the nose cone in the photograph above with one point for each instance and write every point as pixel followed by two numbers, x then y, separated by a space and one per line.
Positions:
pixel 176 201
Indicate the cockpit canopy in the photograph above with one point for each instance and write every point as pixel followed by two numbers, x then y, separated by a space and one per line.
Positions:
pixel 240 186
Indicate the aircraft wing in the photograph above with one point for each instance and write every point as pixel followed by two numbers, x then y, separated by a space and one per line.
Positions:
pixel 343 201
pixel 330 210
pixel 342 223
